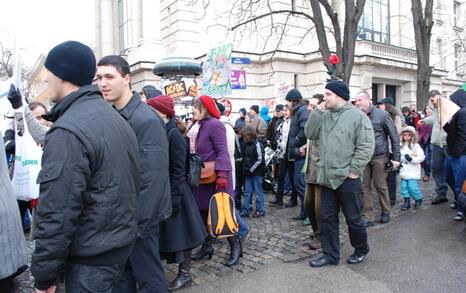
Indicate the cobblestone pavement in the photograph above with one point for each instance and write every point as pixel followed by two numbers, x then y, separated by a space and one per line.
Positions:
pixel 275 238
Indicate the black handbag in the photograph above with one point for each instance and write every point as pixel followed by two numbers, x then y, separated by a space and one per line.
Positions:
pixel 194 173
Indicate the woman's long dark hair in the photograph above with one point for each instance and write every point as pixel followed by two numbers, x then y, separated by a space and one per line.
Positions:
pixel 248 134
pixel 181 126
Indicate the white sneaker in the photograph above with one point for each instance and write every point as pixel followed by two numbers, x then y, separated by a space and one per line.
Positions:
pixel 459 216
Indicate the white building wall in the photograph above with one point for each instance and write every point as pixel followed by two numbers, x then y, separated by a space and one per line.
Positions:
pixel 163 28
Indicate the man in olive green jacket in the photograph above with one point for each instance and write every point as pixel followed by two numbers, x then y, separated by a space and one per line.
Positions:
pixel 346 145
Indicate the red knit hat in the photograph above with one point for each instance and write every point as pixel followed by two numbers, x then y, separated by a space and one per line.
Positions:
pixel 211 106
pixel 163 104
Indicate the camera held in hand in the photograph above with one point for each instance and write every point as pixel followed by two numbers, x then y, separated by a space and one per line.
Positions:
pixel 390 167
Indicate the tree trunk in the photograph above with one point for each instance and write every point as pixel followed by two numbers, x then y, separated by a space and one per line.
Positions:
pixel 423 22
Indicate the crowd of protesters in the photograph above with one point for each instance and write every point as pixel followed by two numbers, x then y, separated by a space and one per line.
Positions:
pixel 115 199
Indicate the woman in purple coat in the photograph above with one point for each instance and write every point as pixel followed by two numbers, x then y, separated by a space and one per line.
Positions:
pixel 209 140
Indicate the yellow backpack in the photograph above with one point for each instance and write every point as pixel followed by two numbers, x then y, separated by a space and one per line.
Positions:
pixel 221 220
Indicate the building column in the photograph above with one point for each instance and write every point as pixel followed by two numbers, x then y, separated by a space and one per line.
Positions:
pixel 366 75
pixel 148 44
pixel 104 32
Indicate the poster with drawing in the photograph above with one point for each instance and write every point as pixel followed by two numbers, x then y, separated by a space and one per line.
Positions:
pixel 216 71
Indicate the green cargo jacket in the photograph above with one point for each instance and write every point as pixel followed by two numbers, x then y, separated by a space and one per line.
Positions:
pixel 346 143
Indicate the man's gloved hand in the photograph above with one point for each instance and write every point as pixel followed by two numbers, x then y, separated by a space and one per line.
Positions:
pixel 408 158
pixel 14 96
pixel 221 183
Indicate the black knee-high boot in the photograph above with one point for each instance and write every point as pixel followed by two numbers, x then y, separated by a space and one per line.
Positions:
pixel 236 251
pixel 184 276
pixel 206 250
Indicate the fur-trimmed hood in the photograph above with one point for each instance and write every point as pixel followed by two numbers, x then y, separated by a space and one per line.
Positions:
pixel 409 129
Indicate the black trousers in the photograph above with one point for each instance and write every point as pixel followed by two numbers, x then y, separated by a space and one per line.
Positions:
pixel 391 183
pixel 347 197
pixel 7 285
pixel 285 166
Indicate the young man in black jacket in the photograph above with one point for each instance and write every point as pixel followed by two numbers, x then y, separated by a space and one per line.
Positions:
pixel 144 267
pixel 296 145
pixel 86 223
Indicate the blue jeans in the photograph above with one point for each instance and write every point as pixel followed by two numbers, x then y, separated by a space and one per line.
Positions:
pixel 427 161
pixel 243 227
pixel 299 183
pixel 409 187
pixel 456 166
pixel 287 183
pixel 81 278
pixel 442 179
pixel 253 183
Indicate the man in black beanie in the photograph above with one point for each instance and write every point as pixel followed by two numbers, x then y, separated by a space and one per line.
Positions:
pixel 346 144
pixel 85 224
pixel 295 148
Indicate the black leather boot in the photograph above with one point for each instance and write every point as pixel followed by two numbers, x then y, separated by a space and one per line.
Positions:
pixel 417 203
pixel 277 201
pixel 406 204
pixel 236 251
pixel 184 276
pixel 206 250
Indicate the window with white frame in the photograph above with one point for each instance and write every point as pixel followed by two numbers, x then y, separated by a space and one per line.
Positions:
pixel 374 24
pixel 456 13
pixel 439 48
pixel 124 24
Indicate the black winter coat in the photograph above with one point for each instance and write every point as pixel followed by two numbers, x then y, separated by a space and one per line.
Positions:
pixel 296 138
pixel 456 128
pixel 88 188
pixel 272 133
pixel 384 128
pixel 253 159
pixel 184 229
pixel 154 202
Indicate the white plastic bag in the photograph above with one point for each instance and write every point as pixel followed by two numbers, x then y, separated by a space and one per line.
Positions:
pixel 28 157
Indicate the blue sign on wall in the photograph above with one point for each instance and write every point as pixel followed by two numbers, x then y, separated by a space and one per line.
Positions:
pixel 240 60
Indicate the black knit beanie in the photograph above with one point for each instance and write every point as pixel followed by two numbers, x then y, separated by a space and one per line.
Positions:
pixel 255 108
pixel 72 61
pixel 340 88
pixel 293 95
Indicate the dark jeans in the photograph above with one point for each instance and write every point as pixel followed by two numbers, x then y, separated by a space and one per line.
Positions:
pixel 442 181
pixel 144 268
pixel 299 184
pixel 81 278
pixel 456 168
pixel 427 161
pixel 347 197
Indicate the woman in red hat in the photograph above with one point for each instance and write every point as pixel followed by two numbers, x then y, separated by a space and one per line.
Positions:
pixel 208 139
pixel 184 229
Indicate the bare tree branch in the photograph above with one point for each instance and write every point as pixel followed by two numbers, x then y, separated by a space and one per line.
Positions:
pixel 272 13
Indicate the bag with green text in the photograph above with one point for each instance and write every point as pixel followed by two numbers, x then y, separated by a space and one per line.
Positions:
pixel 27 165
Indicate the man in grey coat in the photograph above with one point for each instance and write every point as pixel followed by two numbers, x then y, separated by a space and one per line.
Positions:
pixel 438 142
